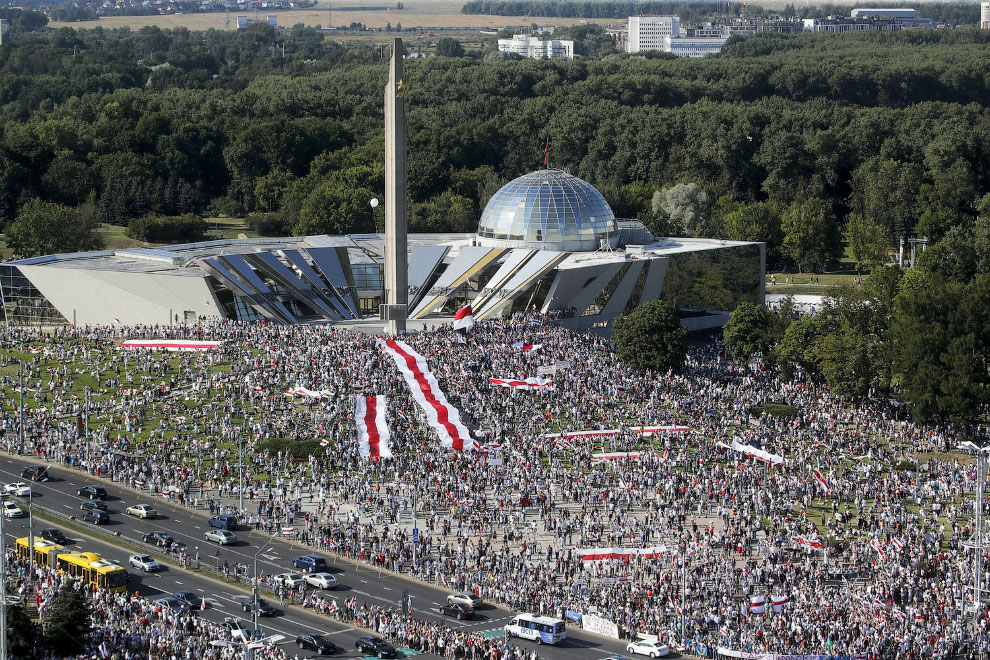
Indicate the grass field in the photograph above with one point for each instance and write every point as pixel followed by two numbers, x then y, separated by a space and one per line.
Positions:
pixel 415 14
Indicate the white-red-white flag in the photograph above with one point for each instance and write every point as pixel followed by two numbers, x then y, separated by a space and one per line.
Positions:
pixel 821 480
pixel 531 383
pixel 897 543
pixel 464 319
pixel 875 544
pixel 373 433
pixel 526 347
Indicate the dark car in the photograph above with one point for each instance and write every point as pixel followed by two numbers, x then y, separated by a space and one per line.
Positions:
pixel 224 521
pixel 311 563
pixel 190 599
pixel 264 609
pixel 317 643
pixel 460 610
pixel 55 536
pixel 97 517
pixel 158 538
pixel 93 505
pixel 92 492
pixel 375 646
pixel 35 473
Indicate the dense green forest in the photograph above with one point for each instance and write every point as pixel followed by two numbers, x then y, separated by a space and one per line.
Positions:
pixel 788 139
pixel 954 13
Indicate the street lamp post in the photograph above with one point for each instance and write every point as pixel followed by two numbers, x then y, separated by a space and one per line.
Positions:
pixel 240 486
pixel 254 582
pixel 31 527
pixel 20 410
pixel 3 592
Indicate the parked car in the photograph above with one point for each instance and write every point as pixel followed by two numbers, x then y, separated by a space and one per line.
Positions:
pixel 190 599
pixel 224 521
pixel 55 536
pixel 264 608
pixel 654 649
pixel 470 600
pixel 93 505
pixel 158 538
pixel 460 610
pixel 321 580
pixel 92 492
pixel 318 643
pixel 35 473
pixel 97 517
pixel 19 489
pixel 310 563
pixel 221 536
pixel 141 511
pixel 290 580
pixel 146 563
pixel 173 604
pixel 375 646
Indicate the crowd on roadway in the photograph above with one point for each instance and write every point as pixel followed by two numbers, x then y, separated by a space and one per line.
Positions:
pixel 891 511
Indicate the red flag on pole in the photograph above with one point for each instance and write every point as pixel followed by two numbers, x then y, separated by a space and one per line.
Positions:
pixel 546 154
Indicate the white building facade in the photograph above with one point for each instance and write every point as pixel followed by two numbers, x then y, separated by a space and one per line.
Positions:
pixel 985 15
pixel 648 32
pixel 536 48
pixel 693 46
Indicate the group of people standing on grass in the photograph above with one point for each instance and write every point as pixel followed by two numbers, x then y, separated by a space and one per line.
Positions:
pixel 881 568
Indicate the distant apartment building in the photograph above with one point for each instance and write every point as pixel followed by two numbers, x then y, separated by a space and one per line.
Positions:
pixel 985 15
pixel 244 21
pixel 693 46
pixel 536 48
pixel 838 25
pixel 884 12
pixel 648 32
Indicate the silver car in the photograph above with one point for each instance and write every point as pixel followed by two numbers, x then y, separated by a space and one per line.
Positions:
pixel 465 599
pixel 321 580
pixel 221 536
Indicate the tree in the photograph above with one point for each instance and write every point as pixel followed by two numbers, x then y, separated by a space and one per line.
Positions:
pixel 759 221
pixel 68 624
pixel 336 208
pixel 46 228
pixel 941 332
pixel 805 240
pixel 867 241
pixel 650 337
pixel 449 47
pixel 685 203
pixel 22 633
pixel 747 332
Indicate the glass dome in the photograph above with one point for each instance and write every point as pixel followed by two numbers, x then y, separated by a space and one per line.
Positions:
pixel 548 210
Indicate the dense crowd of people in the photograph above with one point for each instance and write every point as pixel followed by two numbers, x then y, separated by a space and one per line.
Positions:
pixel 870 558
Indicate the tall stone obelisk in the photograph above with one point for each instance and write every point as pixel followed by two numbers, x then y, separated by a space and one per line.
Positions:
pixel 396 223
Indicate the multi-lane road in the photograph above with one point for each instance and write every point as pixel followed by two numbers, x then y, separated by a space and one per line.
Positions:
pixel 274 556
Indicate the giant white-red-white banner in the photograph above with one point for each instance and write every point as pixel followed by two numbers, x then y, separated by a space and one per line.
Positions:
pixel 571 435
pixel 653 430
pixel 602 554
pixel 531 383
pixel 170 344
pixel 615 456
pixel 373 433
pixel 315 394
pixel 754 452
pixel 443 417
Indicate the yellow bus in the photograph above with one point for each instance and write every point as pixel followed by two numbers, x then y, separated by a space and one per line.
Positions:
pixel 45 552
pixel 92 568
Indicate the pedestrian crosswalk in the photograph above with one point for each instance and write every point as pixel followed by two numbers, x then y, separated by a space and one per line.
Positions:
pixel 403 653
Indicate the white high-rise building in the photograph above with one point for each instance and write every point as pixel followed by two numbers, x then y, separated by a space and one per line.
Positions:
pixel 648 32
pixel 985 15
pixel 537 48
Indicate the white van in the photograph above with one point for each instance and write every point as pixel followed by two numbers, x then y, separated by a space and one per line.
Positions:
pixel 540 629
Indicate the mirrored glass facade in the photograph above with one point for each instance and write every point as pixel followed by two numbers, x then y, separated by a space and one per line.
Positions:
pixel 549 209
pixel 716 279
pixel 23 304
